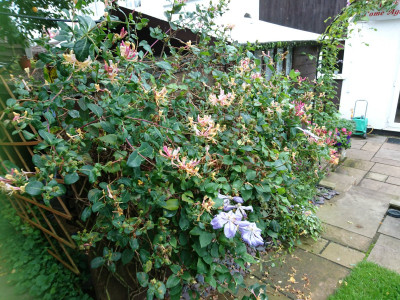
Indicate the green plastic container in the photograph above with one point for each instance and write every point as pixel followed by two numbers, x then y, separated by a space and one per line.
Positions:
pixel 361 121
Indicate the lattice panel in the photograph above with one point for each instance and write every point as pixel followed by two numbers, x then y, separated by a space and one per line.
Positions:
pixel 51 220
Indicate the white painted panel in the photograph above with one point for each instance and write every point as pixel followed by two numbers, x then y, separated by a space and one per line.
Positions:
pixel 371 70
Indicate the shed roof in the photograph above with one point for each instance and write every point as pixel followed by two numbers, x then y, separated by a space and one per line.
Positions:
pixel 250 30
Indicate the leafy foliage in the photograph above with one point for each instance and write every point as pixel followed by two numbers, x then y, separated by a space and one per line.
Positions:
pixel 159 137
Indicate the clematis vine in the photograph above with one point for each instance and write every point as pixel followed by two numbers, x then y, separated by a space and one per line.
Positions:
pixel 231 220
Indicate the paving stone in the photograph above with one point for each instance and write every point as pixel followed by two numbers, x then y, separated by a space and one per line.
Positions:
pixel 357 144
pixel 371 146
pixel 376 176
pixel 386 161
pixel 339 182
pixel 387 170
pixel 386 253
pixel 250 280
pixel 342 255
pixel 313 246
pixel 388 154
pixel 391 227
pixel 393 180
pixel 359 154
pixel 378 139
pixel 323 275
pixel 360 210
pixel 391 146
pixel 379 186
pixel 346 238
pixel 358 164
pixel 356 173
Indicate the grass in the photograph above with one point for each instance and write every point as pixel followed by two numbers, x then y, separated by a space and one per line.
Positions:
pixel 369 281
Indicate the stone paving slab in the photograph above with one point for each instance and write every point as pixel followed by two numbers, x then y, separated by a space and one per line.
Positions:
pixel 342 255
pixel 377 176
pixel 386 253
pixel 358 164
pixel 371 146
pixel 378 139
pixel 356 173
pixel 323 275
pixel 393 180
pixel 339 182
pixel 381 187
pixel 359 210
pixel 359 154
pixel 386 161
pixel 387 170
pixel 388 154
pixel 346 238
pixel 391 146
pixel 391 227
pixel 357 144
pixel 250 280
pixel 313 246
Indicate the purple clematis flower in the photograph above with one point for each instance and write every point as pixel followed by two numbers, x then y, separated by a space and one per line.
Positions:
pixel 238 199
pixel 251 234
pixel 227 220
pixel 242 209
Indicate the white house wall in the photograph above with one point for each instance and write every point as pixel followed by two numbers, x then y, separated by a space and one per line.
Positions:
pixel 371 71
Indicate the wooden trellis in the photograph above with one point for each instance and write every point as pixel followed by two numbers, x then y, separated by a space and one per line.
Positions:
pixel 50 219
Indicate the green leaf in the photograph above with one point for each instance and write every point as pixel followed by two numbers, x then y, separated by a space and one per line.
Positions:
pixel 251 175
pixel 146 150
pixel 74 113
pixel 160 290
pixel 205 238
pixel 134 244
pixel 164 65
pixel 86 213
pixel 143 278
pixel 172 281
pixel 201 266
pixel 227 160
pixel 134 160
pixel 94 195
pixel 183 221
pixel 47 136
pixel 81 49
pixel 27 135
pixel 97 110
pixel 109 139
pixel 97 206
pixel 97 262
pixel 172 204
pixel 34 188
pixel 127 256
pixel 71 178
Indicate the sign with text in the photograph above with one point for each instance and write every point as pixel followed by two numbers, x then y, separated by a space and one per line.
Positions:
pixel 381 15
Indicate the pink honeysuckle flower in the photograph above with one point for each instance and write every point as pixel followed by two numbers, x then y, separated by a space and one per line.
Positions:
pixel 128 51
pixel 111 69
pixel 170 153
pixel 344 129
pixel 122 33
pixel 256 75
pixel 52 34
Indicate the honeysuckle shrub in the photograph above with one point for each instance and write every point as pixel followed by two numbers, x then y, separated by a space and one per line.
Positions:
pixel 190 157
